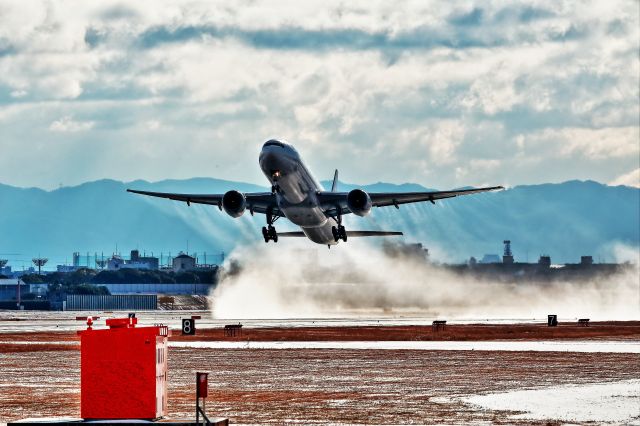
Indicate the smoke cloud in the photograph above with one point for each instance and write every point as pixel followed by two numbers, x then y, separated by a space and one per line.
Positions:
pixel 358 279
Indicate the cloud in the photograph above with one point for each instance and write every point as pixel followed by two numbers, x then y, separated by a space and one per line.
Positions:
pixel 68 124
pixel 471 18
pixel 428 92
pixel 18 93
pixel 629 179
pixel 296 38
pixel 595 144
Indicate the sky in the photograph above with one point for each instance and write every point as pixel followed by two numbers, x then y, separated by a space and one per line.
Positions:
pixel 444 94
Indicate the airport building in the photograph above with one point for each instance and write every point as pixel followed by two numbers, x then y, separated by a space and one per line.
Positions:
pixel 135 261
pixel 9 288
pixel 183 262
pixel 490 258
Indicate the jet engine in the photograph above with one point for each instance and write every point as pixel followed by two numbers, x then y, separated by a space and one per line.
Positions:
pixel 234 203
pixel 359 202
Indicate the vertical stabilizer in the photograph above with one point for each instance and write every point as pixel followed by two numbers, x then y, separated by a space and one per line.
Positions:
pixel 334 185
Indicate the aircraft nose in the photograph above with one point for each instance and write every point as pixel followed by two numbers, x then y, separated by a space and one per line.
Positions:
pixel 270 159
pixel 274 142
pixel 275 156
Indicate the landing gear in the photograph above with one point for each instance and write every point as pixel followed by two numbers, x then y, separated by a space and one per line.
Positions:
pixel 339 233
pixel 269 234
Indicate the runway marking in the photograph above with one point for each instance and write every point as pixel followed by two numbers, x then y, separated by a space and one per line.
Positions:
pixel 522 346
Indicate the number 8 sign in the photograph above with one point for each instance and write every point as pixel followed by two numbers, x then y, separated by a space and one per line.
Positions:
pixel 188 326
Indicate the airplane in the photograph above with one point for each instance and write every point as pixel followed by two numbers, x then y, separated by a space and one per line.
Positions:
pixel 297 195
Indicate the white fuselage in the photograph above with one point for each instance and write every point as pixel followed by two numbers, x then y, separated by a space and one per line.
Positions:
pixel 296 191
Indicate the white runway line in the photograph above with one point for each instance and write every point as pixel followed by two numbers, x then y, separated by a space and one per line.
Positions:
pixel 537 346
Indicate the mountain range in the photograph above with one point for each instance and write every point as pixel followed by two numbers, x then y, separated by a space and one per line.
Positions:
pixel 564 220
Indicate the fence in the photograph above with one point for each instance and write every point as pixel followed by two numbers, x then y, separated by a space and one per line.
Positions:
pixel 132 302
pixel 169 288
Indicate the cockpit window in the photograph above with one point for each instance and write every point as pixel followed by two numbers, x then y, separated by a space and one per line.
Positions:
pixel 274 142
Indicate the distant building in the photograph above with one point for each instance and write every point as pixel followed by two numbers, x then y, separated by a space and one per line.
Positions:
pixel 507 257
pixel 586 260
pixel 39 289
pixel 490 258
pixel 115 263
pixel 153 262
pixel 6 270
pixel 66 268
pixel 9 288
pixel 415 250
pixel 135 262
pixel 184 262
pixel 544 261
pixel 24 271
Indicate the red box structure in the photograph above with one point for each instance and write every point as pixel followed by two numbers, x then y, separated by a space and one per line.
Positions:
pixel 123 371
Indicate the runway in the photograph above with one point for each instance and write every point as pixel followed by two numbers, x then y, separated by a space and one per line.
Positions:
pixel 396 371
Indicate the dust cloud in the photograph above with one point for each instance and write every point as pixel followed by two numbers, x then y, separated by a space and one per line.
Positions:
pixel 292 280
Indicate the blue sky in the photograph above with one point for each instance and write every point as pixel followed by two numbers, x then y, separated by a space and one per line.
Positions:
pixel 444 94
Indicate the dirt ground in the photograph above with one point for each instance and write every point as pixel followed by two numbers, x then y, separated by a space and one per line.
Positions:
pixel 619 330
pixel 319 386
pixel 627 330
pixel 41 378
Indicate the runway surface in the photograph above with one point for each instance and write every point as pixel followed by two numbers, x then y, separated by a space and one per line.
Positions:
pixel 379 371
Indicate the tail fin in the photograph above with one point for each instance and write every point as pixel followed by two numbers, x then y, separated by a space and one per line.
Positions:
pixel 334 185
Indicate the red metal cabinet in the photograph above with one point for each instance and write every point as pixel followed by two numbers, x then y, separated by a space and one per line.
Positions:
pixel 124 371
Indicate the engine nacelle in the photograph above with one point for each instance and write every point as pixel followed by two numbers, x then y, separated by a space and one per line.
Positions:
pixel 359 202
pixel 234 203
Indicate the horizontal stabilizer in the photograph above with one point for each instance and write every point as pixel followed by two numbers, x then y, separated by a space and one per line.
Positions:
pixel 372 233
pixel 291 234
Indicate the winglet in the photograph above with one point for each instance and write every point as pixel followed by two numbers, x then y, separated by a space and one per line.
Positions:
pixel 334 185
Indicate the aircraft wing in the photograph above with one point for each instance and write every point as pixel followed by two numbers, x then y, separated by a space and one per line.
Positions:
pixel 334 201
pixel 257 202
pixel 392 199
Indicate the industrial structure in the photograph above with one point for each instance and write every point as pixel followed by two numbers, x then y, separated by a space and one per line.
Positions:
pixel 115 262
pixel 507 257
pixel 40 262
pixel 184 262
pixel 123 371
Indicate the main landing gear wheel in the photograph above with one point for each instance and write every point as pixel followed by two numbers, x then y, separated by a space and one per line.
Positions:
pixel 269 234
pixel 339 233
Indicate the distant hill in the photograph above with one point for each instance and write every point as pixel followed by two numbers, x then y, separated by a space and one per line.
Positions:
pixel 563 220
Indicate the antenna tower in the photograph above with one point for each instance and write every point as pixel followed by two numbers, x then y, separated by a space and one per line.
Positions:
pixel 39 262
